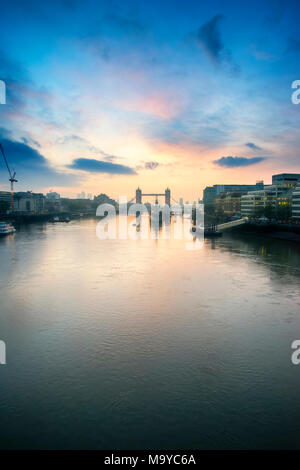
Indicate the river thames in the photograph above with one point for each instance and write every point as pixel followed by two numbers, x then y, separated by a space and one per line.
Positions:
pixel 142 344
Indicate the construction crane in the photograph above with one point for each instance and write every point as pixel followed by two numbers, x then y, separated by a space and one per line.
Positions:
pixel 12 177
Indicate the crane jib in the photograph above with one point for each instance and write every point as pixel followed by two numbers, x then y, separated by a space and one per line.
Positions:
pixel 12 177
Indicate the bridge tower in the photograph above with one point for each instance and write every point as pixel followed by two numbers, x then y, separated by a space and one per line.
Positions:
pixel 138 196
pixel 168 197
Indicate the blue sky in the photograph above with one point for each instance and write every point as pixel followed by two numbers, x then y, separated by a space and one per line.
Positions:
pixel 103 96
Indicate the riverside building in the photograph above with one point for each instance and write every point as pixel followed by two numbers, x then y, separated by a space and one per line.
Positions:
pixel 296 203
pixel 276 196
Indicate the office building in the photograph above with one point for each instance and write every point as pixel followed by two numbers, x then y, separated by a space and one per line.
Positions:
pixel 229 203
pixel 296 203
pixel 287 179
pixel 53 202
pixel 211 192
pixel 276 196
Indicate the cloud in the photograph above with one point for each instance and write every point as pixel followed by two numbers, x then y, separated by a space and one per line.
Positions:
pixel 151 165
pixel 100 166
pixel 253 146
pixel 108 157
pixel 209 38
pixel 232 162
pixel 83 144
pixel 147 166
pixel 31 166
pixel 114 21
pixel 22 155
pixel 25 101
pixel 29 141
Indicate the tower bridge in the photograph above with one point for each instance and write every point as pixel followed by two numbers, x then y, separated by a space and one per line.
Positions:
pixel 167 195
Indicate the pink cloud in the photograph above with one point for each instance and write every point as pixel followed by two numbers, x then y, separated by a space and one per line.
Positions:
pixel 156 104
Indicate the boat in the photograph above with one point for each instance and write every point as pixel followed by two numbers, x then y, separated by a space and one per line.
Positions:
pixel 6 228
pixel 212 232
pixel 59 219
pixel 209 232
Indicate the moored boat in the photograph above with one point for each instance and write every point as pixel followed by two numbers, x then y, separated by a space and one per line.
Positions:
pixel 54 219
pixel 209 232
pixel 6 228
pixel 212 231
pixel 59 219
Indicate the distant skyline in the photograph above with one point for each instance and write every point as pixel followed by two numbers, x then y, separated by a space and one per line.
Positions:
pixel 105 96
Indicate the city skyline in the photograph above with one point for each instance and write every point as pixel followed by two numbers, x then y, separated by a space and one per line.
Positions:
pixel 151 95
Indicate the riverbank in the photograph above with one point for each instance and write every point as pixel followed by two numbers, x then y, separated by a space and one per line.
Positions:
pixel 31 218
pixel 278 231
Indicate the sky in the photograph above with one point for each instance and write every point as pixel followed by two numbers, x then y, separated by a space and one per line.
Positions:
pixel 106 96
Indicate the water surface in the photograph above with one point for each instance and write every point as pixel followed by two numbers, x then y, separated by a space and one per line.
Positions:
pixel 142 344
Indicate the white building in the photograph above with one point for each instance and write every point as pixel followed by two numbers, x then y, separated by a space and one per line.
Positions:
pixel 53 196
pixel 273 196
pixel 27 202
pixel 277 196
pixel 53 202
pixel 296 203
